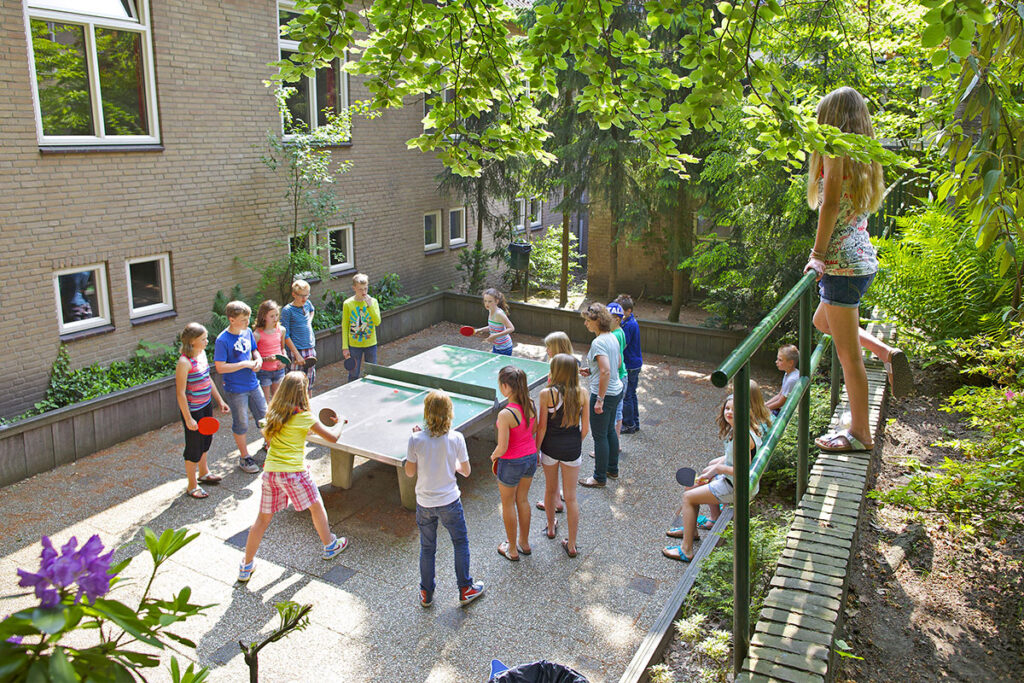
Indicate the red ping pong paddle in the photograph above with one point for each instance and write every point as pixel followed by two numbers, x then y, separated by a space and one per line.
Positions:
pixel 349 363
pixel 208 426
pixel 467 331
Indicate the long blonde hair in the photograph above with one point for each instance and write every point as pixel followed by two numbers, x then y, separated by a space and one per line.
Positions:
pixel 846 109
pixel 438 412
pixel 565 378
pixel 557 342
pixel 291 397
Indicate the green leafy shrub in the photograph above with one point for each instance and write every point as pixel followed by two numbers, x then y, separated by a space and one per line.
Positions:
pixel 712 593
pixel 936 284
pixel 388 292
pixel 473 266
pixel 988 482
pixel 546 259
pixel 780 475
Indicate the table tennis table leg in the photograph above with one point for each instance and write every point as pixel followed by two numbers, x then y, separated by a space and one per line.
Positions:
pixel 406 488
pixel 341 468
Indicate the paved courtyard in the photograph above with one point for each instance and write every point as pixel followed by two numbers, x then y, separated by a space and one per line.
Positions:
pixel 366 624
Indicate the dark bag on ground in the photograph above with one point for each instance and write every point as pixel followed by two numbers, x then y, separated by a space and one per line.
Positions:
pixel 540 672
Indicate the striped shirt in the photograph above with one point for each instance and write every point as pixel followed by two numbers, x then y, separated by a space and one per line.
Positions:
pixel 505 340
pixel 198 387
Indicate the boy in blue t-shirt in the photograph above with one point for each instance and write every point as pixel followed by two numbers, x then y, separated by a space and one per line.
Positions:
pixel 297 318
pixel 237 361
pixel 633 359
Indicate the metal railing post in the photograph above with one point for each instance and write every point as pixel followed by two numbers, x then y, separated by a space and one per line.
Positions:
pixel 804 412
pixel 833 378
pixel 741 517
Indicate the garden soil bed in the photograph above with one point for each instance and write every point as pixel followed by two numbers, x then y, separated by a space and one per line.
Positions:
pixel 928 602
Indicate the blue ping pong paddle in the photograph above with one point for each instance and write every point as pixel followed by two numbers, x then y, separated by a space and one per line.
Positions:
pixel 349 363
pixel 686 476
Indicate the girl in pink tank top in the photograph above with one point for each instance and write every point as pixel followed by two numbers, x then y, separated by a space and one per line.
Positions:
pixel 271 340
pixel 515 461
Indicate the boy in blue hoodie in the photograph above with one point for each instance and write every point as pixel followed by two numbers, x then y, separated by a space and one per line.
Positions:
pixel 634 361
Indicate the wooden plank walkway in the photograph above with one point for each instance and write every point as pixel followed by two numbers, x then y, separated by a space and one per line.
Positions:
pixel 794 637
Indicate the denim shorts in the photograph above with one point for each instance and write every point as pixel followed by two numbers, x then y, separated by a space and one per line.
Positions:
pixel 845 291
pixel 721 488
pixel 252 400
pixel 511 470
pixel 268 377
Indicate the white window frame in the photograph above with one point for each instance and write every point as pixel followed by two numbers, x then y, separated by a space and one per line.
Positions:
pixel 293 46
pixel 536 218
pixel 102 316
pixel 37 9
pixel 349 249
pixel 164 261
pixel 519 214
pixel 437 227
pixel 459 241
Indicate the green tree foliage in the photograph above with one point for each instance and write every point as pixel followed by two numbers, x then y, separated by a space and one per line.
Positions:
pixel 977 58
pixel 935 283
pixel 304 161
pixel 546 259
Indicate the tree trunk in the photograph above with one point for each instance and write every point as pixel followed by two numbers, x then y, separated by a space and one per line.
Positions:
pixel 563 282
pixel 480 199
pixel 613 261
pixel 682 241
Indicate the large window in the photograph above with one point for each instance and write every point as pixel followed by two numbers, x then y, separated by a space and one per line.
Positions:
pixel 456 227
pixel 92 63
pixel 82 301
pixel 432 230
pixel 313 96
pixel 339 249
pixel 149 285
pixel 534 217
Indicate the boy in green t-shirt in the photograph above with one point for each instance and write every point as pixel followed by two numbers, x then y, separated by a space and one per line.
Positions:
pixel 360 318
pixel 617 314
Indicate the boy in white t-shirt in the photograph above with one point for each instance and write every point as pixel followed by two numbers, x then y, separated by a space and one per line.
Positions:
pixel 434 456
pixel 787 360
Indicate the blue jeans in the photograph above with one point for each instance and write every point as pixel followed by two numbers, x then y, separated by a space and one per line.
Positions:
pixel 454 520
pixel 502 352
pixel 368 353
pixel 630 406
pixel 253 400
pixel 606 441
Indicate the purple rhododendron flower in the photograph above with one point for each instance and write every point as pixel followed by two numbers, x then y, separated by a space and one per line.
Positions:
pixel 85 566
pixel 16 640
pixel 1010 395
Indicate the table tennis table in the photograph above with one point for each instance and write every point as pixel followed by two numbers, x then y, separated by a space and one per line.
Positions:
pixel 382 407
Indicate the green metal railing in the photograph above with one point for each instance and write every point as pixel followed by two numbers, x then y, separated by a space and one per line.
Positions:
pixel 746 474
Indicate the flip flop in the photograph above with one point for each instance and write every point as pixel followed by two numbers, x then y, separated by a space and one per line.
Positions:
pixel 503 549
pixel 552 532
pixel 901 377
pixel 565 547
pixel 198 492
pixel 524 552
pixel 679 549
pixel 212 479
pixel 851 444
pixel 704 522
pixel 558 508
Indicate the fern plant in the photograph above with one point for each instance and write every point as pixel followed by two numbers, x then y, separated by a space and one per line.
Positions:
pixel 935 283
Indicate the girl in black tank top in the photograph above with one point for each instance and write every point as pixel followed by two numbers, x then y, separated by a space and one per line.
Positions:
pixel 563 422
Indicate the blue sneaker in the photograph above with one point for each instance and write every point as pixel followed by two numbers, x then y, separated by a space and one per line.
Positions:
pixel 335 547
pixel 245 571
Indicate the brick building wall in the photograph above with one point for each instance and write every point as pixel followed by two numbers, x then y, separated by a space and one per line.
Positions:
pixel 642 267
pixel 206 198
